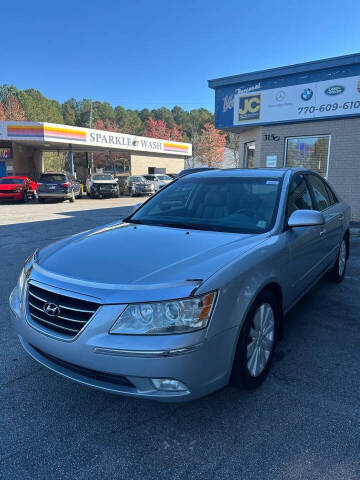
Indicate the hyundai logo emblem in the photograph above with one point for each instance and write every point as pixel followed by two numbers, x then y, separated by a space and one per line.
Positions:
pixel 51 309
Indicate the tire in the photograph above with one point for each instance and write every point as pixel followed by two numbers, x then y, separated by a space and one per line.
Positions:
pixel 80 194
pixel 72 198
pixel 25 198
pixel 337 273
pixel 255 347
pixel 41 200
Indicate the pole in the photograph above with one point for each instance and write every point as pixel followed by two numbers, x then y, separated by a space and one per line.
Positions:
pixel 90 125
pixel 71 159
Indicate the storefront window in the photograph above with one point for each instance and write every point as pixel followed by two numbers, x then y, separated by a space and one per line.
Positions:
pixel 308 152
pixel 249 155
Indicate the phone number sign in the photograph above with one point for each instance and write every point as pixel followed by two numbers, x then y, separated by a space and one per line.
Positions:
pixel 330 98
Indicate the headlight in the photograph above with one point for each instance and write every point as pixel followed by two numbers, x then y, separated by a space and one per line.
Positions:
pixel 17 190
pixel 161 318
pixel 21 283
pixel 25 272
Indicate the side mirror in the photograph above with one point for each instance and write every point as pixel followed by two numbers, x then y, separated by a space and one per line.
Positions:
pixel 306 218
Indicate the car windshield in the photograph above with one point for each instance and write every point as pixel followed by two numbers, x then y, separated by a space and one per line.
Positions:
pixel 163 177
pixel 103 177
pixel 150 177
pixel 138 179
pixel 11 181
pixel 225 204
pixel 52 177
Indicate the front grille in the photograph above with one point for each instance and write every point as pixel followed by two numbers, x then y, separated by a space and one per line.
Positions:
pixel 86 372
pixel 71 316
pixel 2 190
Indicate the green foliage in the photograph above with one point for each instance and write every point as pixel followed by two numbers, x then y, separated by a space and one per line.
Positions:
pixel 38 108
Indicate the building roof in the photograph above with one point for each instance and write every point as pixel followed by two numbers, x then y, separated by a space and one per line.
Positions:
pixel 306 67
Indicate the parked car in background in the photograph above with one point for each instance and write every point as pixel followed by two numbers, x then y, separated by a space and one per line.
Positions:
pixel 136 185
pixel 17 188
pixel 160 179
pixel 58 186
pixel 100 185
pixel 189 292
pixel 187 171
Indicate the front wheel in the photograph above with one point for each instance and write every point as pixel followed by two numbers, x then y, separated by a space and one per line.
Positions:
pixel 25 198
pixel 337 273
pixel 257 342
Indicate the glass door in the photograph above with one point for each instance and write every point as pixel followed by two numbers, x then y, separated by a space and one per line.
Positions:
pixel 249 155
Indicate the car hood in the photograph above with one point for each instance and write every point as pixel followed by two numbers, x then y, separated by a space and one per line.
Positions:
pixel 128 258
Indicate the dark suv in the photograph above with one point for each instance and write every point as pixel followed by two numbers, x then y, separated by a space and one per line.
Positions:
pixel 61 186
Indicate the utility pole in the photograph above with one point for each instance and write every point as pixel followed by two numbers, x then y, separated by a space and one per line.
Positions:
pixel 90 126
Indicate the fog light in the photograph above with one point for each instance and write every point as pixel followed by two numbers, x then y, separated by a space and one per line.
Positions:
pixel 169 385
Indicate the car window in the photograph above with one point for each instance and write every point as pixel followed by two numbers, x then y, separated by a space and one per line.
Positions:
pixel 299 197
pixel 225 204
pixel 102 177
pixel 332 196
pixel 322 200
pixel 11 181
pixel 52 177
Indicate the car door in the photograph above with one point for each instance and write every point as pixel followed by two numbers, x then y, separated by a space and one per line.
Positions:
pixel 304 242
pixel 331 233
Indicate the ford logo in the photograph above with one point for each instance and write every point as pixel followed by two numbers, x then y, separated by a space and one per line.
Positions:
pixel 51 309
pixel 335 90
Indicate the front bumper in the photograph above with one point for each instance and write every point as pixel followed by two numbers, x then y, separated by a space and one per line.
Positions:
pixel 125 364
pixel 11 196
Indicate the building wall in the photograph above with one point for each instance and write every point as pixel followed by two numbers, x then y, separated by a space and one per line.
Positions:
pixel 344 158
pixel 140 163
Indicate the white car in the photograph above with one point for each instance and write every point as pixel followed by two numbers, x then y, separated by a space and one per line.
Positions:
pixel 160 179
pixel 102 185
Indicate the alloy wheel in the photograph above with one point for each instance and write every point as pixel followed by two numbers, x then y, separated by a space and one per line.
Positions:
pixel 260 340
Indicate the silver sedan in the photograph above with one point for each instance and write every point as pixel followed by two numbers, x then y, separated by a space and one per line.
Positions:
pixel 190 291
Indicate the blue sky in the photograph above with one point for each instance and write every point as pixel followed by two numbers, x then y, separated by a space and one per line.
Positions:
pixel 148 54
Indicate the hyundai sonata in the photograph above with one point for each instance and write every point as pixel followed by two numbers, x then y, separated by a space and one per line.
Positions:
pixel 189 292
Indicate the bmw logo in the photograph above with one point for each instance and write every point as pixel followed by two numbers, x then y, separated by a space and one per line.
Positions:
pixel 307 94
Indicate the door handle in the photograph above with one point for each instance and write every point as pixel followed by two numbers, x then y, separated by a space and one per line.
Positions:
pixel 341 217
pixel 322 232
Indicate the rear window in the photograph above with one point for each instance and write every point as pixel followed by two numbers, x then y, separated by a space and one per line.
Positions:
pixel 103 177
pixel 52 177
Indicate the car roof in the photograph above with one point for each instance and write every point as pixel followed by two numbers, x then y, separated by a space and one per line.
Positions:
pixel 246 172
pixel 14 176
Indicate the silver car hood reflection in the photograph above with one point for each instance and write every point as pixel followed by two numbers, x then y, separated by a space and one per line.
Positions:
pixel 140 257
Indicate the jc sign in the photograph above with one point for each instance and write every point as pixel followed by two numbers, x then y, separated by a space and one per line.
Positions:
pixel 249 107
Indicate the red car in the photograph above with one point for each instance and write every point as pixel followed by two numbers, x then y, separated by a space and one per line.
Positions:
pixel 17 188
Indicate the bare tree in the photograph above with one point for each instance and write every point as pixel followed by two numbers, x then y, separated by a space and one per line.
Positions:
pixel 233 143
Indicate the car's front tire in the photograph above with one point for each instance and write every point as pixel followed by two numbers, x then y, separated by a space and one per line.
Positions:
pixel 257 342
pixel 25 198
pixel 337 273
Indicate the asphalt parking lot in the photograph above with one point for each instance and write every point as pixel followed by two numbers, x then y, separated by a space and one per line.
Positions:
pixel 303 423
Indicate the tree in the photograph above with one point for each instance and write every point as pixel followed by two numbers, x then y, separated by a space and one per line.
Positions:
pixel 210 147
pixel 156 129
pixel 233 144
pixel 2 112
pixel 69 111
pixel 11 109
pixel 176 134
